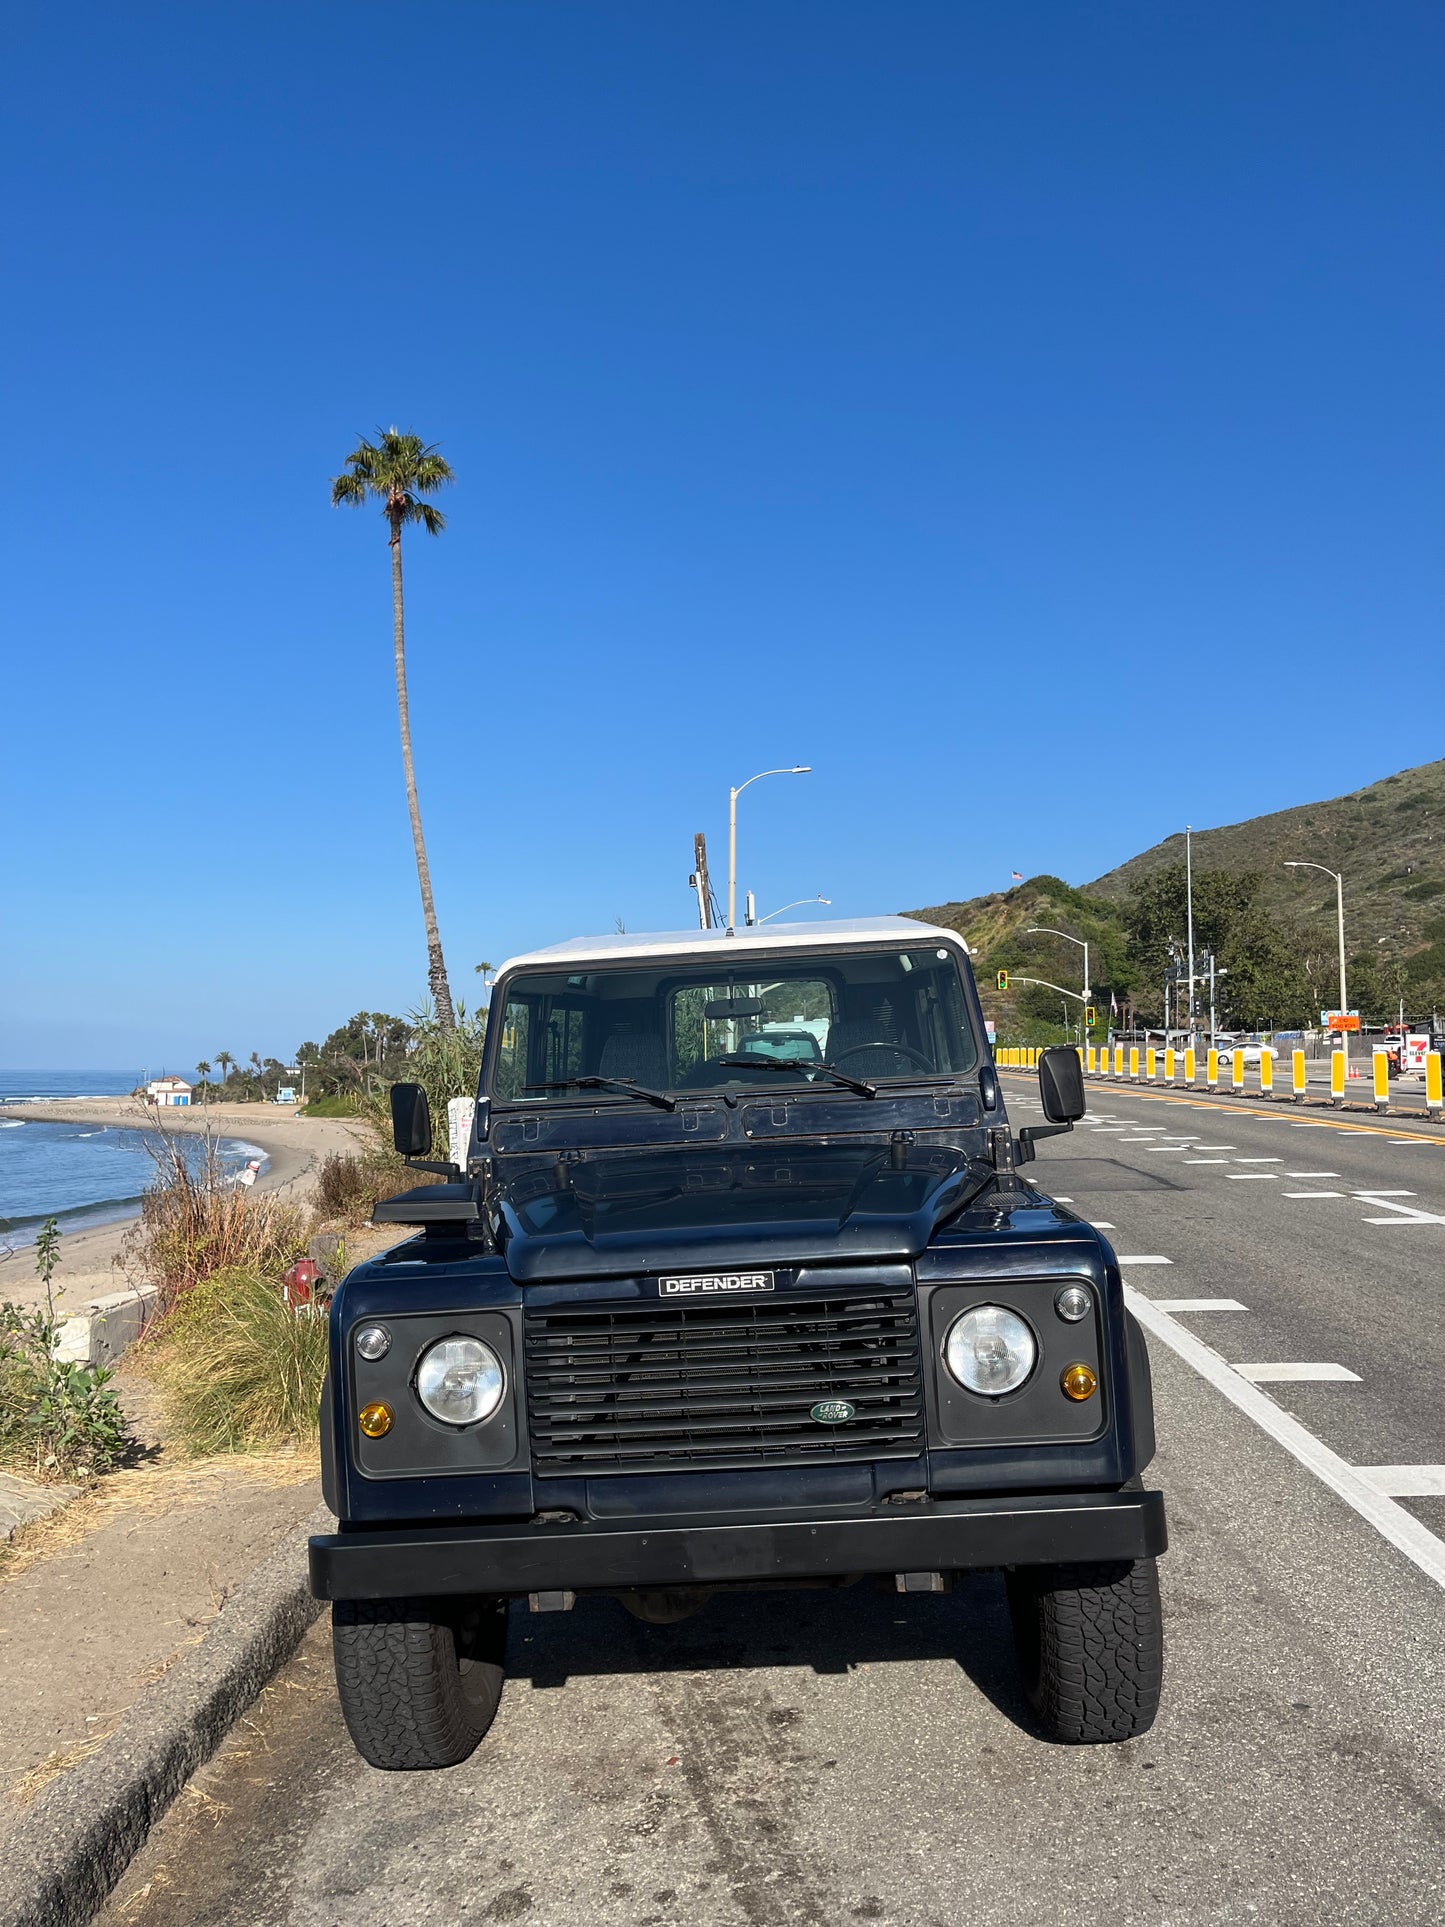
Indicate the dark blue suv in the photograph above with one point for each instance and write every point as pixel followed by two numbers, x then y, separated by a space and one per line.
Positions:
pixel 690 1315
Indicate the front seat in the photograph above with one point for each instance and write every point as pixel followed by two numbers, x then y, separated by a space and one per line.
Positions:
pixel 637 1055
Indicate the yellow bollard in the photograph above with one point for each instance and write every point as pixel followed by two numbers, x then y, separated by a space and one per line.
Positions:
pixel 1133 1060
pixel 1092 1055
pixel 1211 1069
pixel 1297 1064
pixel 1151 1064
pixel 1382 1081
pixel 1237 1067
pixel 1118 1060
pixel 1266 1073
pixel 1169 1064
pixel 1189 1064
pixel 1432 1080
pixel 1337 1077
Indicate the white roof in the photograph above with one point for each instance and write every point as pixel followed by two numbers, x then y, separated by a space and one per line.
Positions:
pixel 770 937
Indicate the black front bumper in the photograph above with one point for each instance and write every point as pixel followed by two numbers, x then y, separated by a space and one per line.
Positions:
pixel 937 1535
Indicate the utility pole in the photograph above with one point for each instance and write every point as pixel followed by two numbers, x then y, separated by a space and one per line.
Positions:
pixel 699 881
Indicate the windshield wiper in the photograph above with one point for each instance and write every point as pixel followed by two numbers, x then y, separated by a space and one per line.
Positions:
pixel 804 1069
pixel 623 1084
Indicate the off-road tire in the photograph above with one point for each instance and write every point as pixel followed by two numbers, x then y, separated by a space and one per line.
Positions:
pixel 1090 1644
pixel 419 1679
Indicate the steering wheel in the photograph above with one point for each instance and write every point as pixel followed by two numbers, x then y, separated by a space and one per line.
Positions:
pixel 884 1043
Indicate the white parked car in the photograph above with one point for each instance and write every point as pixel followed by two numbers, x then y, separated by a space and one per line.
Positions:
pixel 1250 1053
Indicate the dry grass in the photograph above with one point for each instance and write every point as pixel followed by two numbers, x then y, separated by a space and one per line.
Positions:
pixel 194 1221
pixel 238 1368
pixel 141 1491
pixel 349 1184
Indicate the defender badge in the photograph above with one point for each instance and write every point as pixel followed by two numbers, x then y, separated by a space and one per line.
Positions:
pixel 833 1411
pixel 710 1283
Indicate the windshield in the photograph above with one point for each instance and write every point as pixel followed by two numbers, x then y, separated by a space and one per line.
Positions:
pixel 878 1016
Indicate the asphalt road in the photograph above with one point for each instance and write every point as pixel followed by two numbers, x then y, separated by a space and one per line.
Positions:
pixel 828 1758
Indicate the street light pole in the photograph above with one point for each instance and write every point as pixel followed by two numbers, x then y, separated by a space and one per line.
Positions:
pixel 1189 904
pixel 792 906
pixel 798 769
pixel 1042 930
pixel 1340 911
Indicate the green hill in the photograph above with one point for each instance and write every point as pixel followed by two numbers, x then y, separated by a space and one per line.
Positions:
pixel 1277 934
pixel 1387 841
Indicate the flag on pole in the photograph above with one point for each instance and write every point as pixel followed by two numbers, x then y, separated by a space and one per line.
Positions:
pixel 1017 875
pixel 1113 1004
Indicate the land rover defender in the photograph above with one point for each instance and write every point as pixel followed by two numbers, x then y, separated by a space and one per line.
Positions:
pixel 694 1313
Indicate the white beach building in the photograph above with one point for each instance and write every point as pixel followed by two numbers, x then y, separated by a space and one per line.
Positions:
pixel 168 1091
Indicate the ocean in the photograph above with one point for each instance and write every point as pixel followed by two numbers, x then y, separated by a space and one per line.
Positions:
pixel 79 1173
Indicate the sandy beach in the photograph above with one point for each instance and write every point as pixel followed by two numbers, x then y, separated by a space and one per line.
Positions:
pixel 295 1146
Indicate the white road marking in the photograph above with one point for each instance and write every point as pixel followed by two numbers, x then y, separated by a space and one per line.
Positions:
pixel 1059 1198
pixel 1198 1304
pixel 1146 1261
pixel 1216 1147
pixel 1312 1194
pixel 1259 1160
pixel 1405 1213
pixel 1298 1374
pixel 1370 1196
pixel 1407 1140
pixel 1403 1530
pixel 1244 1177
pixel 1206 1160
pixel 1406 1481
pixel 1312 1174
pixel 1102 1224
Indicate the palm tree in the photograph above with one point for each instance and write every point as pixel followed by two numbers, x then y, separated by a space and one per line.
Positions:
pixel 397 470
pixel 224 1063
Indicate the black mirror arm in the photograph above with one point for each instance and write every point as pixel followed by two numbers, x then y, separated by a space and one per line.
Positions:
pixel 1029 1135
pixel 428 1164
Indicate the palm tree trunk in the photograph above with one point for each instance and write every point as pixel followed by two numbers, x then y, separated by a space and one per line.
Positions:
pixel 436 964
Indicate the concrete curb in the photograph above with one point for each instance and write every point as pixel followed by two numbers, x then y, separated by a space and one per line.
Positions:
pixel 99 1332
pixel 64 1858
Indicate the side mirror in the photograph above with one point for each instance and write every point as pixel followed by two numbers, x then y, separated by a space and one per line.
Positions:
pixel 411 1120
pixel 1061 1084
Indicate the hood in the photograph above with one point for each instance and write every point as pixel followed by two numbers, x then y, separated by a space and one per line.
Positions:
pixel 701 1209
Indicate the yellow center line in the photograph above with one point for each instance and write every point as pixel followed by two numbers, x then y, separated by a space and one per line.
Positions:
pixel 1198 1101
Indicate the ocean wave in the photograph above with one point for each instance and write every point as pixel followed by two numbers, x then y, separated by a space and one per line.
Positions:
pixel 12 1123
pixel 106 1207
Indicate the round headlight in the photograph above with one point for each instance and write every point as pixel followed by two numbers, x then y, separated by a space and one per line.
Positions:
pixel 459 1380
pixel 990 1350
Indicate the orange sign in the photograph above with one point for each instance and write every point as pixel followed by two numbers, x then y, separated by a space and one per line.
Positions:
pixel 1341 1020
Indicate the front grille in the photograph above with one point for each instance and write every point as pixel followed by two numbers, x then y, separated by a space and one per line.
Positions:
pixel 632 1388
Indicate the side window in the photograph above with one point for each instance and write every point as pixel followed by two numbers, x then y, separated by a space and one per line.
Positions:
pixel 512 1057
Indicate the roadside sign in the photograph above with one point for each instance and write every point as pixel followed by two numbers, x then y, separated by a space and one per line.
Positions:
pixel 1340 1019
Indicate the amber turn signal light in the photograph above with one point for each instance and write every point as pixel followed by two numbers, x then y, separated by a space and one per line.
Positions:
pixel 1079 1381
pixel 375 1420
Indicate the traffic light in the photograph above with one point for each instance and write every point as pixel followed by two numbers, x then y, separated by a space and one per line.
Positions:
pixel 1091 1016
pixel 1003 980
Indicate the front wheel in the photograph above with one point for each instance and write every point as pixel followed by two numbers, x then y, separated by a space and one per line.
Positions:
pixel 1090 1644
pixel 419 1679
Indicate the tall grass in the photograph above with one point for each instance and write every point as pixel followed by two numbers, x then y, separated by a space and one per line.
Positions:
pixel 194 1221
pixel 238 1368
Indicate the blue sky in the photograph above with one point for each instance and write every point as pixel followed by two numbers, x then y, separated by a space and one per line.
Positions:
pixel 1029 416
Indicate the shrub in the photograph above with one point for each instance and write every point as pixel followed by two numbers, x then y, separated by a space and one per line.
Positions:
pixel 348 1104
pixel 195 1221
pixel 238 1368
pixel 348 1184
pixel 58 1420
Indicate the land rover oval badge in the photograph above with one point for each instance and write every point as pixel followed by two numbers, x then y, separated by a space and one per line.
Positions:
pixel 833 1411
